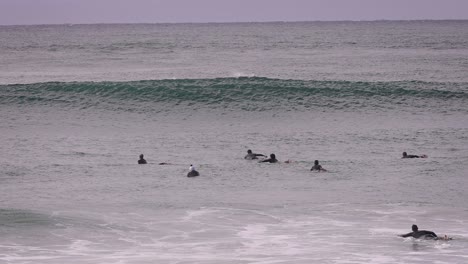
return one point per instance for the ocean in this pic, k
(80, 103)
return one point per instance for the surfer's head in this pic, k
(405, 154)
(272, 156)
(414, 228)
(316, 162)
(249, 151)
(141, 156)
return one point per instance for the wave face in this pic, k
(243, 94)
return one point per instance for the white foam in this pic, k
(241, 74)
(192, 214)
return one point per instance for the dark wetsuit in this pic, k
(252, 156)
(411, 156)
(141, 161)
(270, 160)
(421, 234)
(317, 167)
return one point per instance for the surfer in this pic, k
(424, 234)
(317, 167)
(192, 172)
(251, 156)
(272, 159)
(141, 160)
(406, 156)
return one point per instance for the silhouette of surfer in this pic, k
(251, 156)
(272, 159)
(406, 156)
(423, 234)
(317, 167)
(192, 172)
(141, 160)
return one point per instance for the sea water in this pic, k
(80, 103)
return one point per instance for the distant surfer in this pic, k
(406, 156)
(272, 159)
(423, 234)
(251, 156)
(192, 172)
(141, 160)
(317, 167)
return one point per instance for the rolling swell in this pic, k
(247, 94)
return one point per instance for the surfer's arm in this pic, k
(407, 235)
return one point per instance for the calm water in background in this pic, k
(79, 103)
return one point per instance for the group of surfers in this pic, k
(272, 159)
(416, 233)
(317, 167)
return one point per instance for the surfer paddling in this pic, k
(272, 159)
(406, 156)
(251, 156)
(424, 234)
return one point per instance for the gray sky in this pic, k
(14, 12)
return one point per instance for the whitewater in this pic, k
(80, 103)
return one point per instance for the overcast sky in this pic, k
(14, 12)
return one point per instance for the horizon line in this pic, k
(231, 22)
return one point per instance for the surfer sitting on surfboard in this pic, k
(141, 160)
(192, 172)
(317, 167)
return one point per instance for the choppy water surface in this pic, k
(77, 110)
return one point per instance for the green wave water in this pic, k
(247, 94)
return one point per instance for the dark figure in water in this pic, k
(406, 156)
(272, 159)
(317, 167)
(192, 172)
(251, 156)
(141, 160)
(421, 234)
